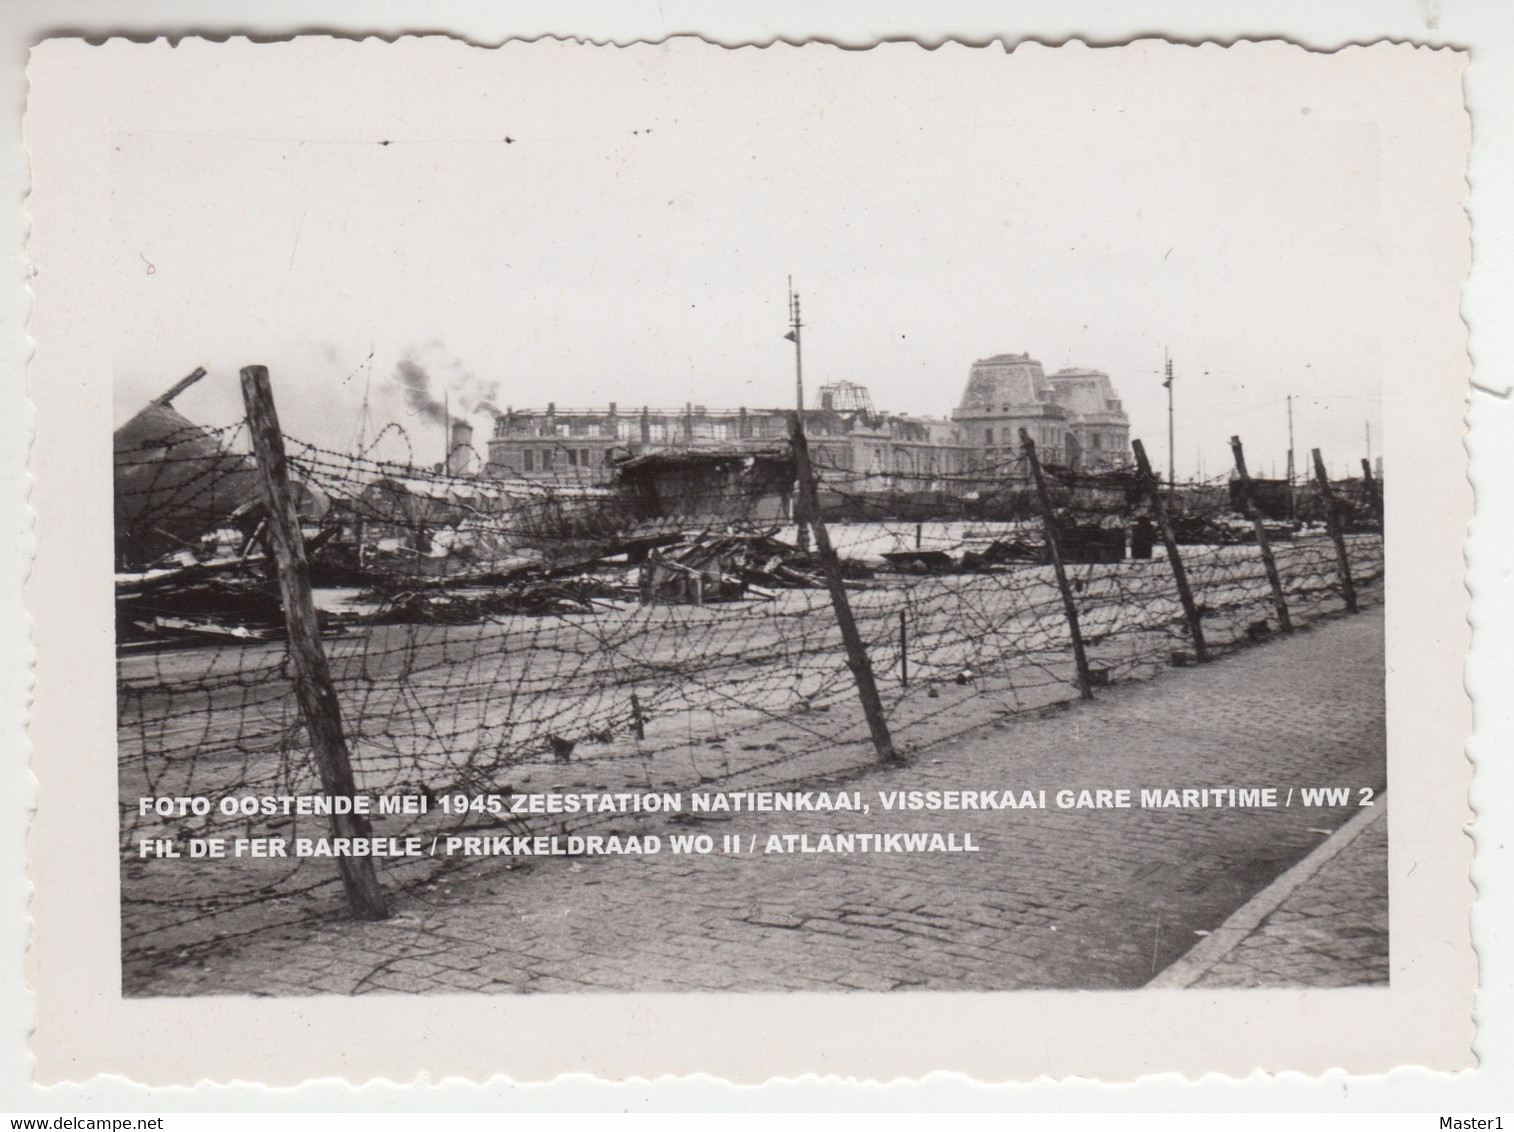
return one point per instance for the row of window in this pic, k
(1095, 439)
(1043, 437)
(660, 431)
(546, 459)
(543, 459)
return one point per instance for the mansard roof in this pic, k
(1002, 380)
(1087, 392)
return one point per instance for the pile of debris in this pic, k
(711, 567)
(1000, 552)
(1079, 544)
(185, 601)
(1198, 530)
(1005, 552)
(535, 596)
(1085, 543)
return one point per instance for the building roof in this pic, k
(173, 482)
(1003, 380)
(1087, 393)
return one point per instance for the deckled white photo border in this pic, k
(84, 1027)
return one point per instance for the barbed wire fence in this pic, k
(486, 639)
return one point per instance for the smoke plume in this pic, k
(416, 384)
(433, 383)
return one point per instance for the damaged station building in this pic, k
(870, 463)
(561, 486)
(692, 499)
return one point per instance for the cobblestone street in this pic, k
(1054, 898)
(1322, 924)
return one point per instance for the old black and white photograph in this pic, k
(1051, 642)
(680, 521)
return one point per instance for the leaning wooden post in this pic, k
(1333, 522)
(856, 654)
(638, 718)
(1190, 610)
(1374, 493)
(166, 398)
(312, 679)
(1069, 606)
(1264, 544)
(903, 650)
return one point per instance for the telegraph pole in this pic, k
(366, 417)
(1292, 510)
(805, 496)
(1172, 467)
(363, 421)
(795, 326)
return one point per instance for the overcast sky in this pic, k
(581, 225)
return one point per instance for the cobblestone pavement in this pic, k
(1054, 897)
(1324, 923)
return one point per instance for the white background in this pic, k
(592, 226)
(1483, 28)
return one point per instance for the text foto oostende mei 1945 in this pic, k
(805, 801)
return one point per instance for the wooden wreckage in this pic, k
(398, 544)
(191, 564)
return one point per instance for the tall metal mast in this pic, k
(794, 334)
(362, 421)
(1292, 510)
(795, 327)
(1172, 467)
(365, 416)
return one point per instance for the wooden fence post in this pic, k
(856, 654)
(1069, 606)
(903, 650)
(1337, 536)
(1264, 544)
(638, 718)
(1164, 524)
(312, 678)
(1374, 493)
